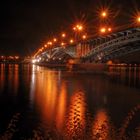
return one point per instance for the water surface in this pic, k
(37, 102)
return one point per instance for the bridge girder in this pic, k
(115, 47)
(99, 49)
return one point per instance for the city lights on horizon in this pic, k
(9, 57)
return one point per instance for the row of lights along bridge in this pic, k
(79, 34)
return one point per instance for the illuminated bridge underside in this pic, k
(57, 53)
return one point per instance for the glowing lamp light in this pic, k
(54, 39)
(109, 29)
(62, 44)
(74, 28)
(71, 41)
(63, 35)
(103, 30)
(49, 43)
(103, 14)
(78, 27)
(84, 37)
(39, 59)
(34, 61)
(138, 19)
(45, 45)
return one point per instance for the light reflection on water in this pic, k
(127, 75)
(9, 73)
(101, 125)
(2, 76)
(75, 121)
(68, 105)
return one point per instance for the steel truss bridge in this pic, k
(95, 50)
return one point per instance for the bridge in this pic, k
(99, 49)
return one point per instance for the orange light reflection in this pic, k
(76, 116)
(16, 78)
(100, 126)
(2, 76)
(51, 103)
(46, 85)
(61, 107)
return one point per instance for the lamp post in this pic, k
(54, 40)
(78, 29)
(104, 14)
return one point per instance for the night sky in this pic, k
(26, 24)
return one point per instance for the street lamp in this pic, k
(109, 29)
(71, 41)
(63, 35)
(54, 39)
(78, 27)
(49, 43)
(84, 37)
(45, 45)
(103, 30)
(103, 14)
(62, 44)
(74, 28)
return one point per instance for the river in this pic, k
(57, 104)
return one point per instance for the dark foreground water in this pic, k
(43, 104)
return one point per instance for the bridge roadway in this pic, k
(95, 50)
